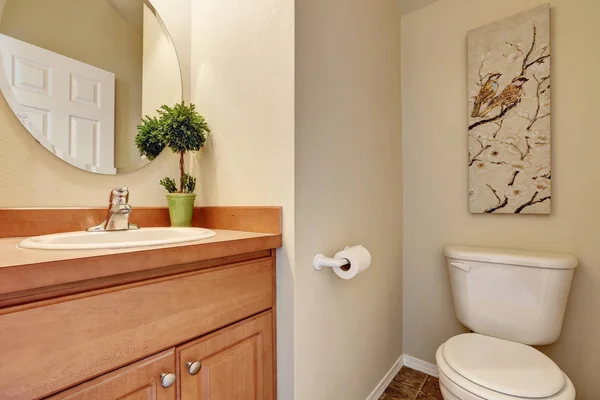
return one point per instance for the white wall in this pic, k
(348, 191)
(435, 179)
(243, 82)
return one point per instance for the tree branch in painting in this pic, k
(499, 128)
(544, 176)
(496, 118)
(512, 179)
(539, 93)
(474, 158)
(532, 202)
(482, 77)
(528, 149)
(540, 60)
(501, 203)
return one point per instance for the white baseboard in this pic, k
(381, 386)
(407, 361)
(420, 365)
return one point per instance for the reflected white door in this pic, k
(67, 105)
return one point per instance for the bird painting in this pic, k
(509, 115)
(486, 93)
(508, 98)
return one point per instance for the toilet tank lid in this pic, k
(512, 257)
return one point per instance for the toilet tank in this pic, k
(510, 294)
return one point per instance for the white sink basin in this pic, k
(116, 239)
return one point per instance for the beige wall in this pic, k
(161, 77)
(435, 179)
(32, 177)
(409, 6)
(161, 83)
(243, 82)
(348, 184)
(99, 36)
(176, 16)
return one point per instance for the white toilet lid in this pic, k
(506, 367)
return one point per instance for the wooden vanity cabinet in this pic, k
(236, 363)
(120, 342)
(138, 381)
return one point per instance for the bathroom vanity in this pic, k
(188, 321)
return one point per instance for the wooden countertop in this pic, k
(27, 275)
(12, 256)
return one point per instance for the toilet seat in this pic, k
(476, 367)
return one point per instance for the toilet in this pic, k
(510, 300)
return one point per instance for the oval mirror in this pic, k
(80, 74)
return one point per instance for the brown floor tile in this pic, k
(424, 396)
(397, 391)
(432, 388)
(412, 385)
(410, 377)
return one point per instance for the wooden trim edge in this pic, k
(21, 222)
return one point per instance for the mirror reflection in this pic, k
(80, 74)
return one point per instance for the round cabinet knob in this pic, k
(193, 367)
(167, 379)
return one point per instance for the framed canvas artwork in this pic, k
(509, 115)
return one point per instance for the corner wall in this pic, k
(347, 191)
(243, 83)
(435, 179)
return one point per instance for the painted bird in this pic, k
(486, 93)
(510, 96)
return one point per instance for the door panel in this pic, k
(237, 363)
(138, 381)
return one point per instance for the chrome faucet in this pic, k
(117, 216)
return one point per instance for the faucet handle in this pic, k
(119, 195)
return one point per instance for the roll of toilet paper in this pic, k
(359, 258)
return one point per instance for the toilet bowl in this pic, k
(511, 300)
(475, 367)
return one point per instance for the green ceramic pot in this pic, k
(181, 208)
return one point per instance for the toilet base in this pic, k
(454, 387)
(446, 393)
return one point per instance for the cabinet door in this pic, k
(234, 363)
(139, 381)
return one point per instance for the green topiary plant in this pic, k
(181, 129)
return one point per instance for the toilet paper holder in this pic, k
(346, 264)
(320, 261)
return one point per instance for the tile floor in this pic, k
(412, 385)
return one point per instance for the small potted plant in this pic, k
(181, 129)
